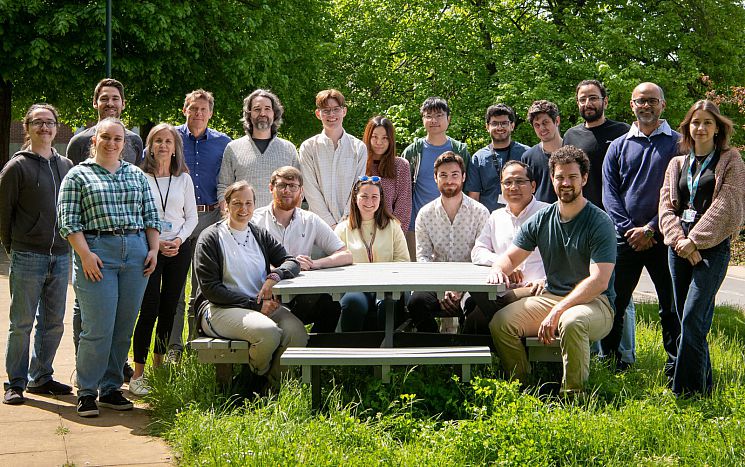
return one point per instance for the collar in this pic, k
(526, 212)
(189, 134)
(662, 129)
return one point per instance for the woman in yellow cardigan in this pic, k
(373, 235)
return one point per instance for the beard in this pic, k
(262, 124)
(451, 192)
(283, 205)
(567, 196)
(596, 115)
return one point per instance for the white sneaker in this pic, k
(138, 386)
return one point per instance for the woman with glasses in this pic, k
(39, 257)
(173, 191)
(701, 207)
(373, 235)
(380, 139)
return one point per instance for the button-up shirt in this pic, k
(439, 240)
(92, 198)
(497, 236)
(203, 157)
(304, 231)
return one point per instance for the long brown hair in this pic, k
(178, 163)
(27, 121)
(387, 167)
(382, 216)
(724, 127)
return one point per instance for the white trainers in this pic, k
(138, 386)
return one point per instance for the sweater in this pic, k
(726, 213)
(389, 245)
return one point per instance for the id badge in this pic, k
(167, 226)
(689, 215)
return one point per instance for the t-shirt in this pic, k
(595, 141)
(485, 169)
(425, 189)
(568, 248)
(537, 159)
(78, 149)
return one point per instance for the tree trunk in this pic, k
(6, 91)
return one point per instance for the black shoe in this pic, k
(115, 400)
(13, 396)
(87, 406)
(52, 387)
(128, 372)
(622, 366)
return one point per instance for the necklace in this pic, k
(245, 240)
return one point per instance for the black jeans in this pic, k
(629, 264)
(319, 309)
(160, 302)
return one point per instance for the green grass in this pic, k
(427, 417)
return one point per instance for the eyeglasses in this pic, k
(652, 101)
(590, 99)
(331, 111)
(291, 187)
(365, 178)
(437, 116)
(518, 182)
(43, 123)
(503, 124)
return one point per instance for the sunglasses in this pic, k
(365, 178)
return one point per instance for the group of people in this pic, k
(567, 225)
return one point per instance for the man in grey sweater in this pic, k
(255, 156)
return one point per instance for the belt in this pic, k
(206, 207)
(112, 232)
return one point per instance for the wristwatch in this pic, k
(648, 232)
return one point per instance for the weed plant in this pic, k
(426, 416)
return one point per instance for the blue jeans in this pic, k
(38, 291)
(108, 310)
(694, 289)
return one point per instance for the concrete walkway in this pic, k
(732, 291)
(47, 431)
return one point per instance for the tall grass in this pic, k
(428, 417)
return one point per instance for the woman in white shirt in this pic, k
(173, 192)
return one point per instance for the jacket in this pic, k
(413, 154)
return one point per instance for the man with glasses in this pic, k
(421, 155)
(260, 152)
(203, 150)
(594, 135)
(544, 118)
(483, 178)
(446, 230)
(518, 187)
(633, 173)
(300, 232)
(331, 161)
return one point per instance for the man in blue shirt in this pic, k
(633, 173)
(203, 150)
(483, 182)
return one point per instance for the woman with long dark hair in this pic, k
(701, 207)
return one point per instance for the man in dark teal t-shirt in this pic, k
(577, 243)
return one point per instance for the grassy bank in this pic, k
(427, 417)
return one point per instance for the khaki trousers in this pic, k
(578, 326)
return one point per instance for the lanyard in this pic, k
(693, 181)
(369, 246)
(163, 202)
(497, 160)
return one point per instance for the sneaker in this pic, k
(173, 356)
(115, 400)
(13, 396)
(52, 387)
(87, 406)
(138, 386)
(128, 372)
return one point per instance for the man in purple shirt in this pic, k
(203, 150)
(633, 173)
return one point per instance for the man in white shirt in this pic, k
(446, 230)
(518, 188)
(331, 161)
(300, 232)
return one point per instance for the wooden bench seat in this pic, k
(540, 352)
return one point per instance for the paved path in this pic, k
(47, 431)
(732, 291)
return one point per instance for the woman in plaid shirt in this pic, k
(107, 213)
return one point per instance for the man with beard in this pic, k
(595, 135)
(544, 118)
(446, 230)
(633, 173)
(299, 231)
(578, 249)
(108, 100)
(255, 156)
(483, 181)
(332, 160)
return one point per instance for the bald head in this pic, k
(648, 88)
(647, 103)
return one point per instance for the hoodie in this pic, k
(29, 187)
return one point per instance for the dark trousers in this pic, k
(160, 302)
(629, 264)
(694, 289)
(319, 309)
(423, 308)
(478, 319)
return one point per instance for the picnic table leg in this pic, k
(385, 373)
(224, 374)
(307, 375)
(389, 318)
(465, 372)
(315, 387)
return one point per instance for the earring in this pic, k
(173, 155)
